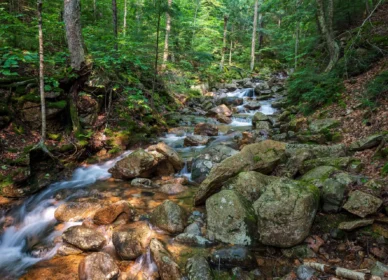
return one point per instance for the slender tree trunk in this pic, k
(230, 52)
(194, 21)
(226, 18)
(95, 10)
(72, 18)
(253, 47)
(125, 18)
(114, 13)
(168, 29)
(156, 49)
(41, 74)
(297, 34)
(261, 35)
(326, 23)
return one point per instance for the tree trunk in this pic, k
(230, 52)
(168, 29)
(41, 74)
(114, 14)
(125, 18)
(194, 21)
(326, 24)
(95, 10)
(226, 18)
(253, 47)
(297, 34)
(72, 18)
(156, 51)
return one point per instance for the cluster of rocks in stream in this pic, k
(269, 190)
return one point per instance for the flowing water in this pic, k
(31, 228)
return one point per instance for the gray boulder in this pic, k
(233, 256)
(362, 204)
(333, 192)
(169, 216)
(366, 143)
(98, 266)
(319, 126)
(84, 238)
(197, 268)
(167, 267)
(230, 218)
(285, 212)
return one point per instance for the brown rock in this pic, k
(109, 214)
(76, 211)
(206, 129)
(168, 268)
(98, 266)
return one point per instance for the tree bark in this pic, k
(168, 29)
(326, 24)
(72, 18)
(41, 74)
(156, 51)
(253, 47)
(226, 18)
(114, 14)
(95, 10)
(297, 34)
(125, 18)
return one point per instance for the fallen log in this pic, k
(342, 272)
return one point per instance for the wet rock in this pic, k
(230, 218)
(206, 129)
(262, 125)
(252, 105)
(67, 250)
(250, 184)
(319, 126)
(260, 117)
(234, 256)
(231, 101)
(138, 164)
(142, 183)
(195, 140)
(192, 239)
(203, 163)
(223, 119)
(171, 189)
(169, 217)
(109, 213)
(349, 226)
(220, 110)
(285, 212)
(262, 157)
(362, 204)
(84, 238)
(194, 229)
(167, 267)
(333, 193)
(197, 268)
(366, 143)
(131, 240)
(76, 211)
(379, 269)
(98, 266)
(172, 156)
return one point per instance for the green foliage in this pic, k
(311, 89)
(384, 170)
(375, 89)
(11, 59)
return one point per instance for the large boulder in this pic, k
(249, 184)
(262, 157)
(343, 163)
(109, 213)
(98, 266)
(252, 105)
(169, 216)
(159, 160)
(76, 211)
(285, 212)
(362, 204)
(132, 240)
(260, 117)
(333, 192)
(317, 151)
(208, 158)
(167, 267)
(137, 164)
(84, 238)
(206, 129)
(230, 218)
(197, 268)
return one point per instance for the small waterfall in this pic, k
(34, 221)
(185, 172)
(144, 265)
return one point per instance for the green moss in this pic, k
(257, 158)
(57, 105)
(31, 97)
(384, 170)
(53, 136)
